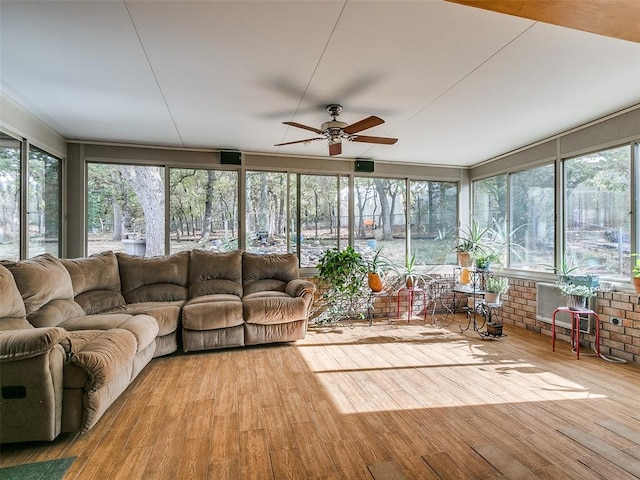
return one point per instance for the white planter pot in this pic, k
(576, 302)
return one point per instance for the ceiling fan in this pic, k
(335, 131)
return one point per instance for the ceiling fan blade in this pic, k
(299, 141)
(363, 124)
(335, 148)
(305, 127)
(381, 140)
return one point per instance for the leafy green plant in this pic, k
(471, 238)
(410, 274)
(342, 274)
(635, 270)
(565, 269)
(497, 284)
(379, 263)
(577, 290)
(483, 260)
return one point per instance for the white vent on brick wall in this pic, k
(548, 298)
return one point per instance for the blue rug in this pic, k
(49, 470)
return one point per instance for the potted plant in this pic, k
(636, 273)
(342, 273)
(483, 261)
(470, 242)
(375, 274)
(495, 286)
(411, 277)
(576, 294)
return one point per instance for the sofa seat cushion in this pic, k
(271, 308)
(46, 290)
(155, 279)
(143, 327)
(167, 314)
(96, 282)
(211, 312)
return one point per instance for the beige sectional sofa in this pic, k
(74, 333)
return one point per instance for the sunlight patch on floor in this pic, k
(430, 368)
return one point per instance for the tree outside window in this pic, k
(597, 218)
(433, 221)
(10, 152)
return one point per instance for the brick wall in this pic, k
(621, 341)
(519, 310)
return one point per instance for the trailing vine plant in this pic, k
(342, 275)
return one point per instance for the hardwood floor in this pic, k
(387, 402)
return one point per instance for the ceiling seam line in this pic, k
(155, 77)
(315, 69)
(467, 75)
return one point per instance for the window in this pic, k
(518, 209)
(380, 205)
(126, 209)
(39, 218)
(10, 154)
(267, 221)
(532, 203)
(433, 221)
(490, 211)
(43, 203)
(597, 219)
(203, 209)
(318, 217)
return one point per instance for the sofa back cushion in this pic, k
(212, 272)
(96, 282)
(155, 279)
(12, 313)
(46, 290)
(269, 272)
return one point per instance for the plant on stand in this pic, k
(471, 243)
(376, 271)
(342, 275)
(576, 294)
(495, 286)
(410, 274)
(636, 273)
(483, 261)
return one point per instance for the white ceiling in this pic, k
(457, 85)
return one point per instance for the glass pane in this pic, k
(380, 217)
(532, 234)
(598, 227)
(490, 211)
(43, 207)
(10, 152)
(318, 214)
(434, 217)
(266, 212)
(203, 206)
(344, 212)
(125, 209)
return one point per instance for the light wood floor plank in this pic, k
(603, 449)
(344, 401)
(504, 462)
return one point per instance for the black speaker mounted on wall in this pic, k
(230, 158)
(364, 166)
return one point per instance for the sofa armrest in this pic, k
(27, 343)
(299, 287)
